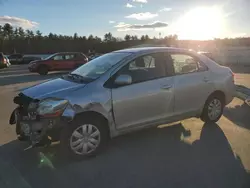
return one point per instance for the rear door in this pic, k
(149, 98)
(79, 59)
(69, 63)
(192, 84)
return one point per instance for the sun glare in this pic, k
(201, 24)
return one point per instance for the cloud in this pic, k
(140, 1)
(165, 9)
(18, 22)
(122, 25)
(142, 16)
(129, 5)
(128, 27)
(111, 22)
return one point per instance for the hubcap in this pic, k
(85, 139)
(214, 109)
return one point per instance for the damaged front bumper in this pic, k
(38, 130)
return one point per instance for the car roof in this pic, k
(153, 49)
(58, 53)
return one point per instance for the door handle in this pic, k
(166, 87)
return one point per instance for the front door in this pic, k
(57, 62)
(192, 84)
(150, 96)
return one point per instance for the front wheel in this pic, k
(213, 109)
(83, 138)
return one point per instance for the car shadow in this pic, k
(157, 157)
(32, 77)
(239, 114)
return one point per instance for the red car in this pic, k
(58, 61)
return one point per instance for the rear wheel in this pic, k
(43, 70)
(213, 109)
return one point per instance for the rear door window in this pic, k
(69, 56)
(58, 57)
(186, 64)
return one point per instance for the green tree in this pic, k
(91, 38)
(147, 37)
(21, 32)
(98, 39)
(38, 34)
(127, 37)
(134, 37)
(75, 36)
(1, 31)
(142, 37)
(108, 37)
(53, 36)
(29, 34)
(7, 30)
(15, 33)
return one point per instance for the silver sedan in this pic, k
(121, 92)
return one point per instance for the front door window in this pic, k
(146, 99)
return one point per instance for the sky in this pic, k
(189, 19)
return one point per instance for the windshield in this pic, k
(98, 66)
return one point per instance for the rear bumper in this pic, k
(230, 92)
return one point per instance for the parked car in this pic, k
(4, 61)
(22, 59)
(7, 61)
(58, 61)
(15, 58)
(121, 92)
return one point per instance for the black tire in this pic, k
(67, 132)
(43, 70)
(205, 117)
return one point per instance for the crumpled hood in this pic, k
(53, 88)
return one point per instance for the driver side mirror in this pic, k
(123, 79)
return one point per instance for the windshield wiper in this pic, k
(80, 78)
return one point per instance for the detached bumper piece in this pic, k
(39, 132)
(32, 128)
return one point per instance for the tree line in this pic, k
(17, 39)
